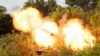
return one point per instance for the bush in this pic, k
(16, 45)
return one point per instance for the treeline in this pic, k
(87, 10)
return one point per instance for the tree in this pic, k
(45, 7)
(5, 21)
(6, 24)
(2, 9)
(84, 4)
(98, 6)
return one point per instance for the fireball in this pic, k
(46, 33)
(29, 20)
(76, 36)
(24, 20)
(43, 35)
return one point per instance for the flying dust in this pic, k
(46, 33)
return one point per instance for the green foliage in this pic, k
(83, 4)
(20, 44)
(56, 15)
(45, 7)
(98, 6)
(70, 11)
(91, 52)
(65, 52)
(2, 9)
(16, 45)
(5, 23)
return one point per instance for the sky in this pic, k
(11, 4)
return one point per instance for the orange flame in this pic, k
(76, 36)
(46, 33)
(43, 35)
(29, 20)
(26, 19)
